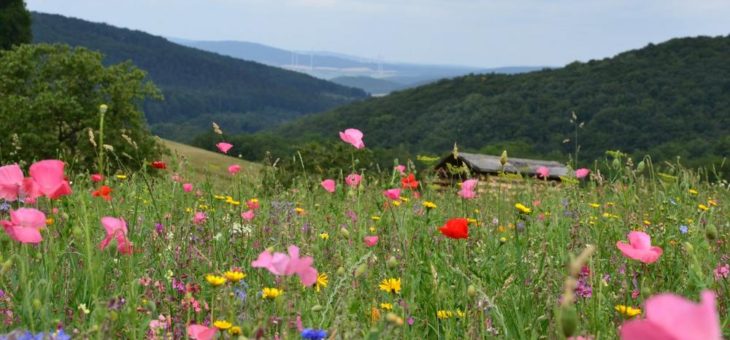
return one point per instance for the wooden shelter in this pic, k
(486, 165)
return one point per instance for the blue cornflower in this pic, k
(683, 229)
(314, 334)
(4, 207)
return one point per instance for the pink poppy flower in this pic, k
(582, 173)
(639, 248)
(11, 181)
(224, 147)
(200, 332)
(116, 228)
(370, 241)
(353, 137)
(234, 169)
(467, 189)
(283, 264)
(187, 187)
(47, 177)
(248, 215)
(25, 225)
(400, 168)
(393, 194)
(670, 316)
(96, 178)
(199, 217)
(353, 180)
(329, 185)
(543, 172)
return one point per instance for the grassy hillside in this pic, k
(200, 87)
(668, 100)
(203, 164)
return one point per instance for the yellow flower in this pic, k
(503, 239)
(501, 229)
(322, 281)
(235, 330)
(222, 324)
(429, 205)
(299, 211)
(647, 222)
(372, 229)
(324, 236)
(386, 306)
(395, 203)
(234, 276)
(220, 197)
(375, 218)
(712, 202)
(215, 280)
(49, 221)
(460, 314)
(444, 314)
(628, 311)
(693, 191)
(120, 176)
(390, 285)
(404, 199)
(471, 220)
(522, 208)
(703, 207)
(594, 205)
(395, 319)
(272, 293)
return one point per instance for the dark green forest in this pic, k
(665, 100)
(200, 87)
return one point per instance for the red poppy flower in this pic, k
(104, 192)
(409, 182)
(456, 228)
(159, 165)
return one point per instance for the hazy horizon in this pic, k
(478, 33)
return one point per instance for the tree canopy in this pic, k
(50, 97)
(15, 24)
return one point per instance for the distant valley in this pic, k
(375, 76)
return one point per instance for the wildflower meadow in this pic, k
(160, 253)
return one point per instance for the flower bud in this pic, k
(640, 167)
(316, 308)
(361, 269)
(568, 320)
(392, 262)
(471, 290)
(711, 232)
(340, 271)
(103, 108)
(345, 233)
(503, 158)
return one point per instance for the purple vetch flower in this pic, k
(159, 228)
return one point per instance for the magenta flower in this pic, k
(393, 194)
(11, 180)
(224, 147)
(543, 172)
(116, 228)
(353, 180)
(96, 178)
(639, 248)
(400, 168)
(329, 185)
(670, 316)
(722, 272)
(353, 137)
(467, 189)
(200, 332)
(234, 169)
(370, 241)
(187, 187)
(25, 225)
(199, 217)
(287, 265)
(582, 173)
(47, 179)
(248, 215)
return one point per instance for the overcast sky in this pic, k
(486, 33)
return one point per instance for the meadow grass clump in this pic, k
(163, 253)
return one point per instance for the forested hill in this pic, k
(200, 86)
(667, 100)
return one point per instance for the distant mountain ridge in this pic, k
(666, 100)
(331, 65)
(199, 86)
